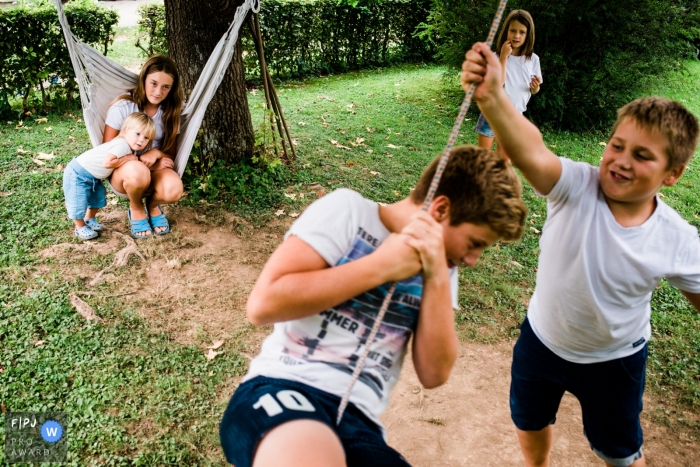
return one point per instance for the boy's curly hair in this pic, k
(482, 188)
(676, 124)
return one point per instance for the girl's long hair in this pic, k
(524, 18)
(171, 105)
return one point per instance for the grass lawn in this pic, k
(136, 397)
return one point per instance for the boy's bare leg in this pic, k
(485, 142)
(300, 443)
(536, 446)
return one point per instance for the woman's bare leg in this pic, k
(300, 443)
(486, 142)
(167, 189)
(133, 179)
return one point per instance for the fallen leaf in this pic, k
(351, 162)
(342, 147)
(294, 214)
(389, 155)
(370, 130)
(44, 156)
(661, 195)
(38, 343)
(279, 213)
(212, 355)
(515, 263)
(301, 123)
(391, 146)
(59, 167)
(114, 202)
(359, 140)
(333, 142)
(320, 192)
(370, 151)
(552, 145)
(374, 172)
(71, 138)
(38, 162)
(41, 120)
(48, 128)
(5, 194)
(216, 344)
(295, 142)
(83, 308)
(397, 84)
(534, 230)
(290, 195)
(602, 144)
(301, 195)
(22, 151)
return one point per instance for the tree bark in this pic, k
(193, 30)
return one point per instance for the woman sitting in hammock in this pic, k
(158, 93)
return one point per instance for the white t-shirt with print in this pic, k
(93, 160)
(321, 350)
(519, 73)
(595, 278)
(121, 109)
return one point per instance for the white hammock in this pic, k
(101, 80)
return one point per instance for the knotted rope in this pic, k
(444, 158)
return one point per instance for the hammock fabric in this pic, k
(101, 80)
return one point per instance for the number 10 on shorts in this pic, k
(290, 399)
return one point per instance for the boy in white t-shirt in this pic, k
(82, 178)
(607, 242)
(323, 287)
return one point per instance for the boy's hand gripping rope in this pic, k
(428, 199)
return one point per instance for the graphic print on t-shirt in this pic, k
(350, 323)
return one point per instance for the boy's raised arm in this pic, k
(519, 138)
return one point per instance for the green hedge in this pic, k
(595, 55)
(33, 49)
(320, 36)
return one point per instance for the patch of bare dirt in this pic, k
(467, 421)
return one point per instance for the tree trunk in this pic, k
(193, 30)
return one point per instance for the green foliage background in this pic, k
(304, 37)
(595, 55)
(33, 49)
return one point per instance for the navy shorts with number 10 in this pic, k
(261, 404)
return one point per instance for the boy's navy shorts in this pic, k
(262, 403)
(610, 394)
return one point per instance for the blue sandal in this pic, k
(85, 233)
(94, 225)
(159, 221)
(139, 226)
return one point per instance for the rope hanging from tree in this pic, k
(444, 158)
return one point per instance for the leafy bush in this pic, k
(596, 56)
(152, 29)
(32, 46)
(320, 36)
